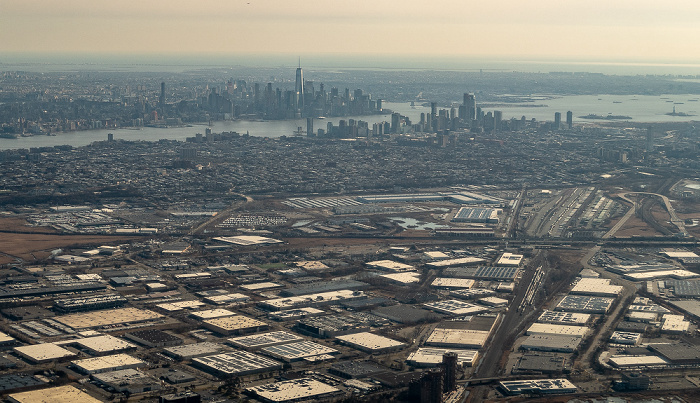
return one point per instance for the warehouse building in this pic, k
(510, 259)
(237, 324)
(128, 380)
(189, 351)
(674, 324)
(563, 330)
(584, 304)
(105, 344)
(107, 363)
(299, 351)
(154, 338)
(236, 363)
(108, 317)
(432, 357)
(600, 287)
(293, 391)
(564, 318)
(211, 314)
(458, 338)
(451, 283)
(292, 314)
(492, 273)
(477, 215)
(257, 341)
(45, 352)
(59, 394)
(370, 342)
(538, 387)
(324, 298)
(551, 343)
(627, 338)
(456, 307)
(389, 265)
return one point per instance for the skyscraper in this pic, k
(299, 89)
(449, 363)
(161, 100)
(557, 120)
(310, 127)
(570, 119)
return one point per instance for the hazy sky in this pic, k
(591, 30)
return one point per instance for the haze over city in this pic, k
(597, 31)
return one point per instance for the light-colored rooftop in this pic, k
(390, 265)
(407, 277)
(106, 317)
(212, 314)
(247, 240)
(234, 322)
(369, 341)
(596, 286)
(180, 305)
(44, 352)
(456, 307)
(546, 328)
(104, 344)
(59, 394)
(294, 390)
(264, 339)
(433, 356)
(261, 286)
(456, 262)
(448, 282)
(509, 259)
(457, 338)
(108, 362)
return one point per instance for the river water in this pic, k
(641, 108)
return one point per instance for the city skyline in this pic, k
(597, 31)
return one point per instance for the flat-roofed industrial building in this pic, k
(564, 318)
(257, 341)
(538, 386)
(458, 338)
(370, 342)
(565, 330)
(551, 343)
(236, 363)
(237, 324)
(477, 215)
(44, 352)
(297, 351)
(596, 287)
(432, 357)
(584, 304)
(58, 394)
(293, 391)
(108, 317)
(107, 363)
(324, 298)
(154, 338)
(456, 307)
(104, 344)
(189, 351)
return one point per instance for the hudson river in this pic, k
(641, 108)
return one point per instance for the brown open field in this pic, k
(636, 226)
(37, 246)
(20, 224)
